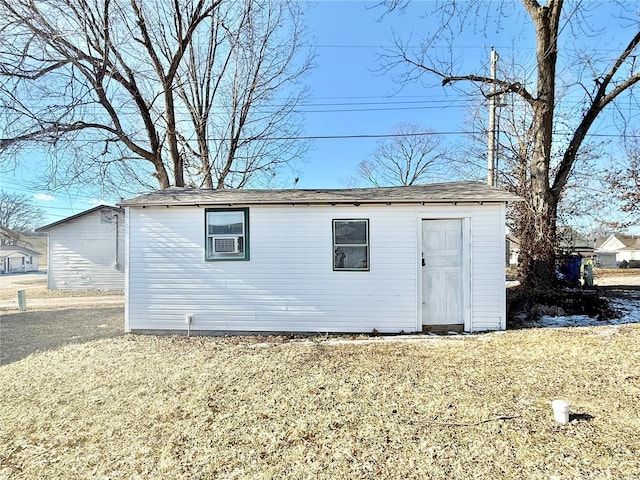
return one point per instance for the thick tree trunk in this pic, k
(172, 139)
(161, 175)
(536, 181)
(537, 233)
(538, 228)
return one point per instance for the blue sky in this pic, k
(362, 100)
(348, 97)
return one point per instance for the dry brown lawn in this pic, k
(24, 333)
(617, 276)
(37, 289)
(78, 399)
(617, 272)
(466, 407)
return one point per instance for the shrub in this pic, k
(531, 304)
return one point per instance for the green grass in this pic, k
(476, 407)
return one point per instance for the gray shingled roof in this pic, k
(432, 193)
(50, 226)
(6, 250)
(631, 242)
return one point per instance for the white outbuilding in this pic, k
(16, 258)
(395, 259)
(86, 251)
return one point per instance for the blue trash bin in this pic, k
(569, 269)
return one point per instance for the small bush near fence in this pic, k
(630, 264)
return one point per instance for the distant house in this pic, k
(569, 242)
(15, 258)
(29, 240)
(617, 248)
(396, 259)
(86, 251)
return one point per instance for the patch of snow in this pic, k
(629, 308)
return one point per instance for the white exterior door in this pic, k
(442, 272)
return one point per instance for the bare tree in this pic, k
(542, 178)
(623, 178)
(582, 203)
(18, 212)
(259, 80)
(139, 93)
(411, 155)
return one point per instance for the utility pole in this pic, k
(491, 153)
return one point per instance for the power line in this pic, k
(384, 135)
(484, 47)
(352, 110)
(357, 136)
(23, 187)
(390, 102)
(304, 107)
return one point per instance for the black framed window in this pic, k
(351, 245)
(227, 234)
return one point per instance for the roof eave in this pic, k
(50, 226)
(317, 202)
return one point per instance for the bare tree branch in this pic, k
(18, 212)
(107, 84)
(598, 103)
(413, 155)
(542, 164)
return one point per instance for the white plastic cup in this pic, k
(560, 411)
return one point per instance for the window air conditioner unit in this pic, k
(227, 244)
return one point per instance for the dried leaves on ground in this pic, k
(431, 407)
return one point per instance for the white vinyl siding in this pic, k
(614, 247)
(82, 254)
(289, 283)
(487, 265)
(18, 262)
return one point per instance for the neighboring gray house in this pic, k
(396, 259)
(15, 258)
(573, 242)
(569, 242)
(617, 248)
(86, 251)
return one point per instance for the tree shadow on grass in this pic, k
(24, 333)
(580, 417)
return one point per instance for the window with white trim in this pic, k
(351, 245)
(227, 234)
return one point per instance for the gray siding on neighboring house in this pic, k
(289, 284)
(82, 251)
